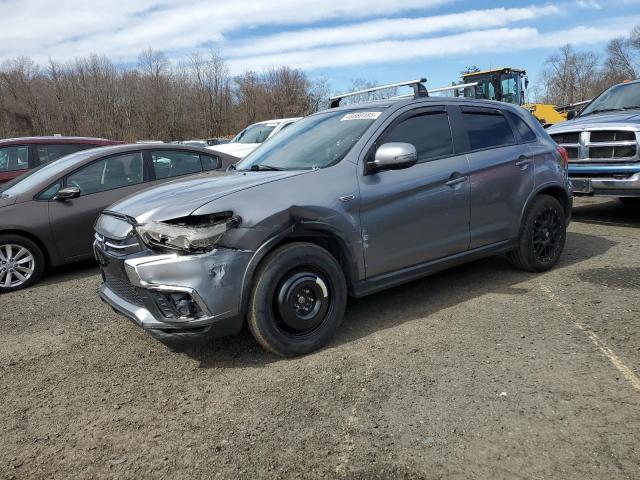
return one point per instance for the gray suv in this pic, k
(348, 201)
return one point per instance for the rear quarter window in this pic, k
(525, 132)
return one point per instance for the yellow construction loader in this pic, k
(509, 85)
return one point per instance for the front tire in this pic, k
(542, 236)
(21, 263)
(298, 299)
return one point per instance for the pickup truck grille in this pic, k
(599, 145)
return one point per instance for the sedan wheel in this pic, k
(21, 262)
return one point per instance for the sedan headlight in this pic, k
(195, 233)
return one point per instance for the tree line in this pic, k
(571, 76)
(154, 100)
(199, 98)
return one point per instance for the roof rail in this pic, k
(454, 88)
(419, 90)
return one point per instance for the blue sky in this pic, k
(340, 40)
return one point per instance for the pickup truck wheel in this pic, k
(630, 201)
(21, 263)
(542, 236)
(298, 299)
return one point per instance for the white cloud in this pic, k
(68, 28)
(492, 40)
(590, 4)
(386, 29)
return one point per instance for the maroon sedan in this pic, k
(18, 155)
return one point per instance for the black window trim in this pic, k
(482, 110)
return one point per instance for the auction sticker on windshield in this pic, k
(361, 116)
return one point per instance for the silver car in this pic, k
(348, 201)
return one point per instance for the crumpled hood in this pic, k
(182, 197)
(239, 150)
(611, 119)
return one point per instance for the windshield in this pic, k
(317, 141)
(44, 173)
(256, 133)
(620, 97)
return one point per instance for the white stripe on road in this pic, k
(613, 358)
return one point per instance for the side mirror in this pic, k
(395, 156)
(67, 193)
(571, 114)
(526, 83)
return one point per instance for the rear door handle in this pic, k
(455, 181)
(523, 161)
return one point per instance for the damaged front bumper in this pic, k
(176, 296)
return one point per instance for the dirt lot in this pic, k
(479, 372)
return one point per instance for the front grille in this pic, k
(573, 152)
(599, 146)
(121, 286)
(572, 137)
(612, 136)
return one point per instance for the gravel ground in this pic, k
(478, 372)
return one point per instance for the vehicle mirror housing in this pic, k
(67, 193)
(571, 114)
(395, 156)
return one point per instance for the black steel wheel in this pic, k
(298, 299)
(546, 234)
(543, 232)
(302, 301)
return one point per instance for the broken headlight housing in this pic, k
(193, 233)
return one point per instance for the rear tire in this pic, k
(298, 299)
(542, 236)
(21, 263)
(630, 201)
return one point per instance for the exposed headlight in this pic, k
(191, 234)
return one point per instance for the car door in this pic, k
(501, 172)
(101, 183)
(421, 213)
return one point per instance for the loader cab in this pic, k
(504, 85)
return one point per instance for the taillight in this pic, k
(565, 155)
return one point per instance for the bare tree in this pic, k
(571, 76)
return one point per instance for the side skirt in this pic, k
(398, 277)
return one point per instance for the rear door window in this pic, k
(486, 128)
(173, 163)
(14, 158)
(108, 173)
(49, 153)
(428, 130)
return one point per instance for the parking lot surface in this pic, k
(482, 371)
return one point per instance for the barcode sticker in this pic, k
(361, 116)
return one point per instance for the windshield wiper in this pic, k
(263, 167)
